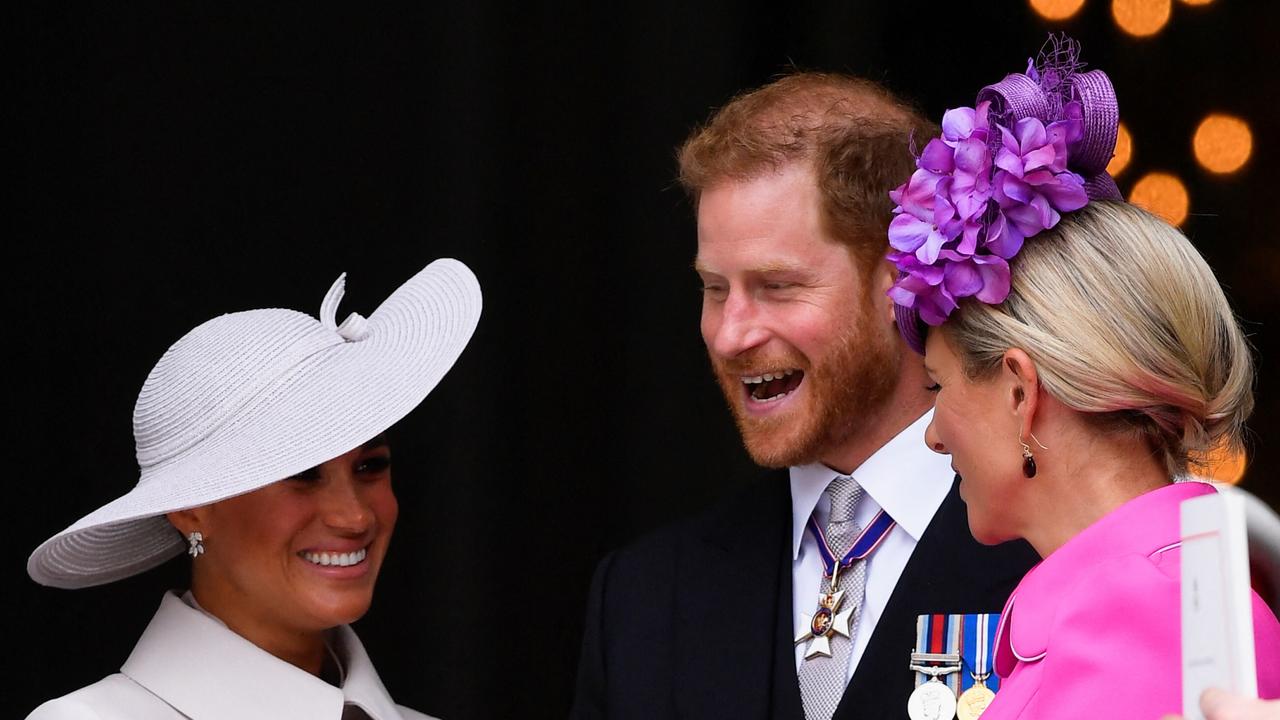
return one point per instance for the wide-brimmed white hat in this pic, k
(253, 397)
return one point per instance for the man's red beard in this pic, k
(852, 381)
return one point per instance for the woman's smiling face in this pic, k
(302, 554)
(975, 423)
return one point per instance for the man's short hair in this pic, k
(855, 134)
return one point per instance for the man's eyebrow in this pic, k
(779, 267)
(776, 266)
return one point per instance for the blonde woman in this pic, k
(260, 441)
(1083, 358)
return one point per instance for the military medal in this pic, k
(828, 620)
(952, 644)
(978, 634)
(934, 700)
(974, 700)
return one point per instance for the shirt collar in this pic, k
(904, 477)
(189, 658)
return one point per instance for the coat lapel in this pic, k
(727, 621)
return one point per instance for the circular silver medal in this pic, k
(932, 701)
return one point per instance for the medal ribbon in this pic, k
(865, 544)
(939, 633)
(979, 637)
(970, 636)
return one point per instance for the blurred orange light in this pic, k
(1141, 18)
(1223, 465)
(1162, 194)
(1222, 143)
(1056, 9)
(1124, 150)
(1196, 2)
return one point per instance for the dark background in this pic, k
(175, 161)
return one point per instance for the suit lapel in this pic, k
(727, 617)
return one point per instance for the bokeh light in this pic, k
(1124, 150)
(1222, 143)
(1162, 194)
(1196, 2)
(1056, 9)
(1222, 465)
(1141, 18)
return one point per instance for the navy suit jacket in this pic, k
(695, 620)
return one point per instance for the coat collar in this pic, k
(189, 659)
(1146, 525)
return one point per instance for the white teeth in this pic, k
(779, 396)
(757, 379)
(336, 559)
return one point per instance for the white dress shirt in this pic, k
(187, 664)
(906, 479)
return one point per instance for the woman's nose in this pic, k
(345, 508)
(931, 439)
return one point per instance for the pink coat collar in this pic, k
(1146, 525)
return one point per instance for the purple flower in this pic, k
(937, 157)
(983, 276)
(924, 231)
(963, 123)
(921, 287)
(917, 194)
(1004, 239)
(966, 211)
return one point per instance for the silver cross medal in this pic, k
(826, 621)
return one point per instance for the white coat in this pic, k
(187, 664)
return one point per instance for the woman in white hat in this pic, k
(259, 438)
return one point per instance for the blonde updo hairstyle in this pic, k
(1125, 322)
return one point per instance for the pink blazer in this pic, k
(1093, 630)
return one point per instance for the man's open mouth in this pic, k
(772, 386)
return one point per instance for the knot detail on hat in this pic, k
(329, 306)
(355, 327)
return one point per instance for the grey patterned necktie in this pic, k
(822, 679)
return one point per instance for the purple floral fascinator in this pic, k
(1036, 145)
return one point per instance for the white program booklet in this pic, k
(1217, 616)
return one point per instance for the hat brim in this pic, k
(910, 327)
(330, 403)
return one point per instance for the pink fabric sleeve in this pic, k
(1266, 647)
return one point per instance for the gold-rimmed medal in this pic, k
(974, 701)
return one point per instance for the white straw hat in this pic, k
(253, 397)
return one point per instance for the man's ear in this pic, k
(1018, 373)
(881, 279)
